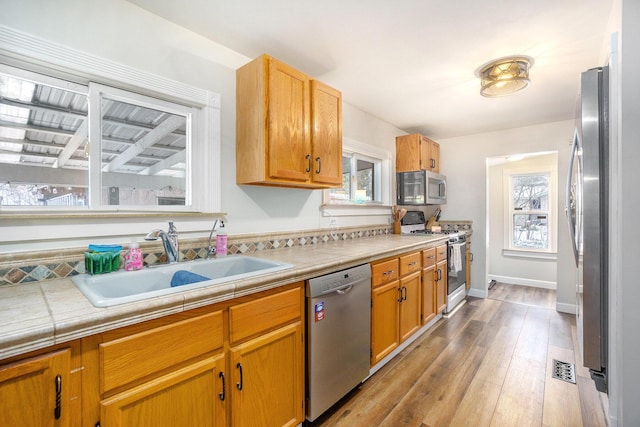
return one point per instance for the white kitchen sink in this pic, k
(127, 286)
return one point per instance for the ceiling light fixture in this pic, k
(504, 76)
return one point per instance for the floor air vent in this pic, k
(564, 371)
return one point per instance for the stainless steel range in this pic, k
(414, 223)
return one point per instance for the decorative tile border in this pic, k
(45, 265)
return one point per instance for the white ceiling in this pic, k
(412, 63)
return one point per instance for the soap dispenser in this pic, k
(221, 240)
(133, 256)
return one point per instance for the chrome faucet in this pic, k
(169, 240)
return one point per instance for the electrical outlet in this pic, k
(333, 221)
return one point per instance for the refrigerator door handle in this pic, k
(570, 199)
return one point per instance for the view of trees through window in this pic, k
(530, 214)
(358, 181)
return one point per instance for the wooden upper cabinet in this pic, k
(288, 127)
(326, 134)
(417, 152)
(289, 141)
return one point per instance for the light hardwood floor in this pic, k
(487, 365)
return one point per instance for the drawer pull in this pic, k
(239, 385)
(413, 264)
(387, 273)
(222, 393)
(57, 412)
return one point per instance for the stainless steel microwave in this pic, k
(421, 188)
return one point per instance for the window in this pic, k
(366, 182)
(530, 207)
(530, 211)
(360, 180)
(140, 157)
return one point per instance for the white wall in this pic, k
(518, 270)
(465, 161)
(121, 32)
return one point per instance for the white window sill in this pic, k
(353, 209)
(516, 253)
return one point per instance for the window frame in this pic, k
(382, 186)
(552, 220)
(34, 55)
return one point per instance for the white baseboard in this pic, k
(477, 293)
(566, 308)
(523, 282)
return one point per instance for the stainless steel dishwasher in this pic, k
(338, 336)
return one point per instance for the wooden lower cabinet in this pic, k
(395, 303)
(441, 286)
(34, 392)
(193, 395)
(429, 309)
(441, 278)
(266, 379)
(385, 335)
(238, 363)
(410, 305)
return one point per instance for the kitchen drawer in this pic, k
(261, 315)
(441, 253)
(139, 355)
(428, 257)
(384, 272)
(410, 264)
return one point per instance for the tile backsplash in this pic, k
(53, 264)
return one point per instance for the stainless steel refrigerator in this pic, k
(587, 213)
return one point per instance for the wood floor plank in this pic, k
(436, 383)
(561, 399)
(521, 399)
(478, 404)
(560, 330)
(534, 336)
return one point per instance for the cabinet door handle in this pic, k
(239, 385)
(222, 393)
(399, 294)
(308, 157)
(57, 412)
(319, 165)
(439, 275)
(404, 293)
(433, 163)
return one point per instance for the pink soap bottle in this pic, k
(133, 256)
(221, 240)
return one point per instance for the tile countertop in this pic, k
(40, 314)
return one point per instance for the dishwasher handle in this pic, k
(342, 290)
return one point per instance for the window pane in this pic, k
(365, 177)
(43, 137)
(530, 231)
(343, 193)
(531, 192)
(143, 155)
